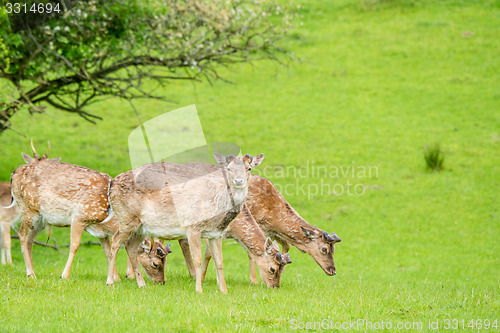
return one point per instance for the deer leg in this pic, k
(122, 235)
(37, 227)
(132, 247)
(24, 229)
(130, 270)
(216, 249)
(187, 256)
(194, 239)
(3, 242)
(206, 261)
(106, 246)
(7, 244)
(253, 273)
(77, 228)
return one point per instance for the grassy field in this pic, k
(377, 82)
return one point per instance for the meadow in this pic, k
(377, 81)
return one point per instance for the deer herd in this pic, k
(144, 207)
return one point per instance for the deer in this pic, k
(261, 250)
(151, 201)
(281, 222)
(277, 220)
(52, 193)
(8, 214)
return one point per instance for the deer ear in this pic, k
(167, 247)
(308, 232)
(27, 158)
(268, 245)
(56, 159)
(230, 158)
(257, 160)
(276, 246)
(219, 159)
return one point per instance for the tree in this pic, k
(128, 49)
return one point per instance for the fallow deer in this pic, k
(51, 193)
(278, 220)
(151, 201)
(9, 213)
(264, 252)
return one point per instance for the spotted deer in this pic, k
(279, 221)
(264, 252)
(9, 213)
(152, 201)
(52, 193)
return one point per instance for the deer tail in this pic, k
(12, 204)
(110, 215)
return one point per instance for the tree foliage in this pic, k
(128, 48)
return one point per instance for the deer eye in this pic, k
(324, 250)
(272, 270)
(154, 265)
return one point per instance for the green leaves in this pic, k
(108, 47)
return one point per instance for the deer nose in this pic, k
(239, 182)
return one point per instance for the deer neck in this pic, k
(245, 231)
(287, 225)
(238, 197)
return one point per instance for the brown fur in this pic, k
(280, 221)
(49, 192)
(260, 250)
(152, 200)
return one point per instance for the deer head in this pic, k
(153, 257)
(321, 246)
(272, 264)
(237, 169)
(36, 157)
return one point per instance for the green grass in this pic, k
(375, 85)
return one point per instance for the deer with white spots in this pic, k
(281, 222)
(52, 193)
(276, 219)
(151, 201)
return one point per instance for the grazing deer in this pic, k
(152, 257)
(7, 216)
(154, 201)
(261, 250)
(51, 193)
(243, 229)
(280, 221)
